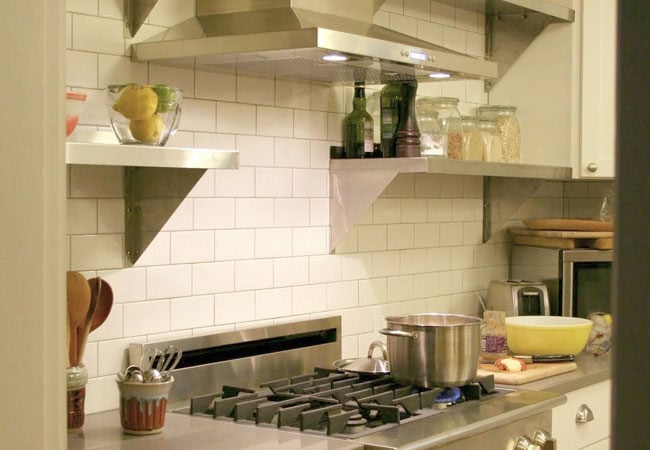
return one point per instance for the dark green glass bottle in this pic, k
(358, 126)
(392, 95)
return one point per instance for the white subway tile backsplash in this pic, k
(214, 213)
(451, 234)
(235, 307)
(387, 210)
(334, 127)
(181, 219)
(462, 257)
(198, 115)
(213, 277)
(169, 281)
(372, 291)
(253, 274)
(256, 90)
(385, 263)
(465, 304)
(476, 47)
(426, 235)
(372, 237)
(349, 243)
(192, 246)
(451, 282)
(394, 6)
(272, 303)
(254, 212)
(157, 253)
(292, 212)
(256, 151)
(81, 216)
(343, 294)
(235, 183)
(400, 236)
(431, 32)
(425, 285)
(399, 288)
(357, 266)
(290, 271)
(112, 328)
(439, 210)
(319, 214)
(146, 317)
(467, 20)
(310, 183)
(310, 124)
(82, 6)
(235, 118)
(90, 359)
(427, 185)
(414, 210)
(438, 259)
(273, 242)
(96, 251)
(234, 244)
(462, 209)
(454, 39)
(455, 89)
(356, 321)
(110, 215)
(413, 261)
(215, 86)
(403, 185)
(128, 285)
(441, 304)
(217, 141)
(175, 76)
(472, 233)
(273, 182)
(310, 241)
(291, 152)
(309, 299)
(97, 34)
(403, 24)
(111, 8)
(96, 181)
(113, 355)
(420, 9)
(319, 154)
(81, 69)
(292, 94)
(324, 268)
(273, 121)
(192, 312)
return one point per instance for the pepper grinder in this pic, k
(408, 133)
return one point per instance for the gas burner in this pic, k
(355, 424)
(450, 396)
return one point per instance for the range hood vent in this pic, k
(290, 39)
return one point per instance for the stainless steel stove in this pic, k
(281, 376)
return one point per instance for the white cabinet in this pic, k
(583, 422)
(598, 89)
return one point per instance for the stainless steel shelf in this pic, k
(148, 156)
(454, 167)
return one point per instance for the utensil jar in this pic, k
(76, 379)
(428, 350)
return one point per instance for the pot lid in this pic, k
(368, 365)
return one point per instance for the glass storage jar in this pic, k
(76, 379)
(472, 140)
(441, 128)
(491, 141)
(507, 128)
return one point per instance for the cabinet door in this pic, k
(605, 444)
(598, 99)
(572, 435)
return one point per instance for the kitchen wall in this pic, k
(250, 247)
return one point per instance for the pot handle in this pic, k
(398, 333)
(381, 346)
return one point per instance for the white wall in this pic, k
(250, 247)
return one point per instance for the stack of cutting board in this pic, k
(565, 233)
(533, 372)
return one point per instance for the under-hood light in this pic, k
(335, 57)
(439, 75)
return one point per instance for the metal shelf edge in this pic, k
(148, 156)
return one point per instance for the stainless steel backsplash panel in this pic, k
(250, 371)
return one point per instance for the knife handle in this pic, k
(547, 358)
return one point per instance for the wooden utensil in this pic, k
(78, 298)
(82, 332)
(104, 303)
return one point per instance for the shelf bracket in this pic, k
(502, 198)
(151, 195)
(135, 13)
(351, 193)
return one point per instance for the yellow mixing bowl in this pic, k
(547, 335)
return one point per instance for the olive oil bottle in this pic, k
(358, 126)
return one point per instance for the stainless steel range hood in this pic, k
(289, 38)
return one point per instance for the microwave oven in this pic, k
(579, 281)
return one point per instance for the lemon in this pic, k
(166, 97)
(147, 130)
(136, 102)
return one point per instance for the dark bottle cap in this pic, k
(337, 152)
(359, 84)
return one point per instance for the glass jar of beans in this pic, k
(507, 127)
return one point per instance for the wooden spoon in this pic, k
(84, 330)
(104, 304)
(78, 296)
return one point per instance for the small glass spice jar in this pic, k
(76, 380)
(443, 131)
(473, 146)
(491, 141)
(507, 127)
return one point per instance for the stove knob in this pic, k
(544, 440)
(524, 443)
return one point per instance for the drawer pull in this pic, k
(524, 443)
(584, 414)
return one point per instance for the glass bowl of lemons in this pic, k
(144, 114)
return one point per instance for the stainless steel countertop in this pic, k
(103, 431)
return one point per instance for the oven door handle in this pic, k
(399, 333)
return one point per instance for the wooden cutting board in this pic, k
(603, 240)
(568, 224)
(536, 371)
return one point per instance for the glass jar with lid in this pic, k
(473, 146)
(491, 141)
(507, 127)
(441, 128)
